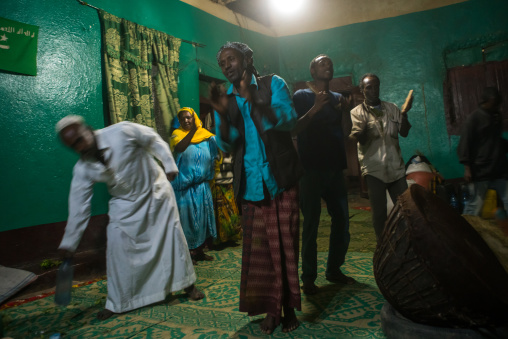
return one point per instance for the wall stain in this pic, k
(426, 120)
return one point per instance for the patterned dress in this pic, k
(227, 216)
(193, 193)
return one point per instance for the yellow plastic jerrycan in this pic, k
(489, 204)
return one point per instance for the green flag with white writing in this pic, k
(18, 47)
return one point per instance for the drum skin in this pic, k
(434, 268)
(423, 179)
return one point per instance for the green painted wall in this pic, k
(36, 169)
(408, 52)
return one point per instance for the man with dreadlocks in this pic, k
(253, 121)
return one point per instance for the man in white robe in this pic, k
(147, 255)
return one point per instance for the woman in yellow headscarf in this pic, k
(195, 152)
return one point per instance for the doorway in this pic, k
(205, 108)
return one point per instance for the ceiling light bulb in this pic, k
(287, 6)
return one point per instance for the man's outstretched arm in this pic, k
(80, 198)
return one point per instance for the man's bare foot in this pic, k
(104, 314)
(268, 324)
(290, 321)
(194, 293)
(201, 256)
(207, 257)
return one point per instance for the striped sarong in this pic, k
(270, 255)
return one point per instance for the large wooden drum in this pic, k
(434, 268)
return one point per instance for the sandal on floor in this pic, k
(341, 278)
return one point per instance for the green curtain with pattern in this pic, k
(130, 50)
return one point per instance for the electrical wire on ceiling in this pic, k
(195, 44)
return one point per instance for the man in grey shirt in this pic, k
(376, 127)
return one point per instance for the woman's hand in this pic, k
(193, 128)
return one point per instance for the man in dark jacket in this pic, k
(253, 121)
(482, 151)
(319, 130)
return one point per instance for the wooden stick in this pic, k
(408, 98)
(310, 84)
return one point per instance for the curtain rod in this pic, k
(196, 44)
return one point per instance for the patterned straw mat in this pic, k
(337, 311)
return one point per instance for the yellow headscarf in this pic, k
(178, 134)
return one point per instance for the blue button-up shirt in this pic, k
(256, 169)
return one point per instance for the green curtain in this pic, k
(167, 55)
(129, 53)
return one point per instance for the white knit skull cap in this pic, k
(67, 121)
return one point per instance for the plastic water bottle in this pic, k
(64, 277)
(454, 202)
(464, 200)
